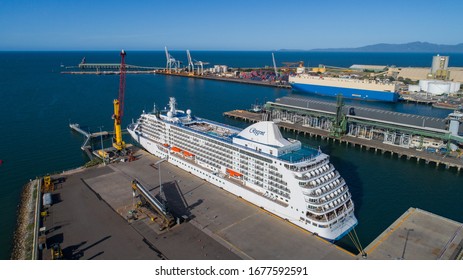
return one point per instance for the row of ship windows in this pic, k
(201, 172)
(222, 157)
(202, 153)
(257, 182)
(209, 160)
(188, 142)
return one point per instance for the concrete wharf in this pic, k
(362, 143)
(419, 235)
(89, 219)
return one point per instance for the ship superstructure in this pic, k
(364, 89)
(295, 182)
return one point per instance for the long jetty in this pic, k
(227, 79)
(366, 144)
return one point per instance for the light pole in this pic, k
(102, 148)
(161, 193)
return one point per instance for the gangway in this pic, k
(153, 203)
(88, 136)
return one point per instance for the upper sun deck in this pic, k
(206, 127)
(212, 129)
(301, 155)
(262, 138)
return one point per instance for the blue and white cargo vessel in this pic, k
(294, 182)
(363, 89)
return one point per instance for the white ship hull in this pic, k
(291, 207)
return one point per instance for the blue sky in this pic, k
(224, 25)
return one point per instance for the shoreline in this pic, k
(23, 236)
(22, 247)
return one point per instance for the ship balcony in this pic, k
(320, 180)
(273, 184)
(314, 175)
(275, 174)
(327, 187)
(278, 180)
(311, 167)
(321, 217)
(330, 196)
(328, 202)
(330, 214)
(279, 192)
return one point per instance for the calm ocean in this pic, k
(37, 103)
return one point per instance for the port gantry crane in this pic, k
(275, 67)
(191, 66)
(118, 143)
(172, 63)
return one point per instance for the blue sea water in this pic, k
(37, 104)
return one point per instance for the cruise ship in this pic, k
(363, 89)
(294, 182)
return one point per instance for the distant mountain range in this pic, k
(408, 47)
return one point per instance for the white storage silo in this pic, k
(424, 85)
(413, 88)
(439, 63)
(454, 87)
(438, 88)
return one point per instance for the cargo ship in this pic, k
(280, 175)
(369, 90)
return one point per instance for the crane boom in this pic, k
(274, 65)
(191, 67)
(119, 107)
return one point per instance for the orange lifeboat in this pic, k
(187, 154)
(175, 149)
(165, 145)
(233, 173)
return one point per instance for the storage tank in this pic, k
(413, 88)
(424, 85)
(436, 88)
(454, 87)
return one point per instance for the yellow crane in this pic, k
(118, 143)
